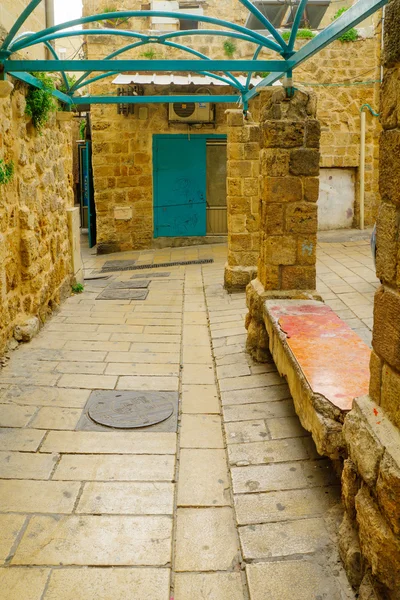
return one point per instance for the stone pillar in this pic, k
(243, 152)
(370, 533)
(289, 186)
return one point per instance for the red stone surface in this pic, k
(334, 360)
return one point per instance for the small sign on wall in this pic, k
(123, 213)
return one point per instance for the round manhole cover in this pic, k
(127, 412)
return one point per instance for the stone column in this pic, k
(243, 151)
(370, 533)
(289, 186)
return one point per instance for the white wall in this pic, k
(336, 199)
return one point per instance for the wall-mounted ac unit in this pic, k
(191, 112)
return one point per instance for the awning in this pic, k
(170, 78)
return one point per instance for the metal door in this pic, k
(179, 186)
(88, 196)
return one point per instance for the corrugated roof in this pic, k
(170, 78)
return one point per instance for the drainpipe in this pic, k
(362, 158)
(49, 7)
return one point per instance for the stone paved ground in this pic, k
(237, 506)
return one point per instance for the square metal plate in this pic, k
(121, 294)
(129, 285)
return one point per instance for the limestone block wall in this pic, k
(35, 260)
(370, 534)
(10, 10)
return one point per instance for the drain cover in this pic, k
(121, 294)
(112, 266)
(128, 410)
(153, 275)
(129, 285)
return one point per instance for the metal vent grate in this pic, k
(184, 109)
(201, 261)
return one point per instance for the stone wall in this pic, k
(10, 10)
(35, 260)
(370, 533)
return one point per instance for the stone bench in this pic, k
(325, 363)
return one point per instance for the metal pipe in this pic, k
(50, 22)
(362, 168)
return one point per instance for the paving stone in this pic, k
(159, 384)
(275, 580)
(320, 473)
(200, 485)
(104, 382)
(250, 381)
(273, 451)
(129, 285)
(196, 335)
(15, 416)
(99, 346)
(144, 357)
(200, 399)
(156, 370)
(24, 465)
(89, 442)
(268, 478)
(256, 395)
(121, 294)
(139, 498)
(239, 432)
(262, 410)
(234, 370)
(25, 440)
(144, 467)
(198, 374)
(201, 431)
(213, 586)
(52, 417)
(28, 496)
(205, 539)
(284, 506)
(104, 584)
(195, 318)
(23, 583)
(88, 368)
(288, 427)
(10, 526)
(96, 540)
(223, 350)
(268, 540)
(46, 396)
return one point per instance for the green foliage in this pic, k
(71, 81)
(305, 34)
(229, 48)
(150, 54)
(39, 102)
(351, 35)
(264, 74)
(116, 21)
(82, 129)
(77, 288)
(6, 171)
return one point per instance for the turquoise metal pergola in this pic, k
(287, 59)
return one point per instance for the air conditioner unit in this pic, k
(191, 112)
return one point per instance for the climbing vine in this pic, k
(39, 102)
(6, 171)
(351, 35)
(305, 34)
(82, 129)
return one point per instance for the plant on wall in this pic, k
(113, 21)
(71, 79)
(6, 171)
(150, 54)
(82, 129)
(351, 35)
(40, 102)
(305, 34)
(229, 48)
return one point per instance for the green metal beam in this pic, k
(154, 66)
(31, 80)
(154, 99)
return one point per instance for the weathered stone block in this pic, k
(269, 276)
(241, 168)
(391, 54)
(390, 93)
(238, 277)
(274, 222)
(313, 133)
(350, 486)
(350, 553)
(298, 278)
(307, 250)
(378, 543)
(387, 231)
(281, 189)
(390, 394)
(282, 134)
(29, 249)
(304, 161)
(234, 186)
(375, 382)
(311, 189)
(26, 331)
(386, 331)
(234, 117)
(301, 217)
(280, 250)
(389, 166)
(388, 490)
(274, 162)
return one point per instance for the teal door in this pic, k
(179, 186)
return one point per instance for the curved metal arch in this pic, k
(260, 39)
(234, 81)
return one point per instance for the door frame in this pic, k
(158, 136)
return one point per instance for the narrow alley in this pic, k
(226, 499)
